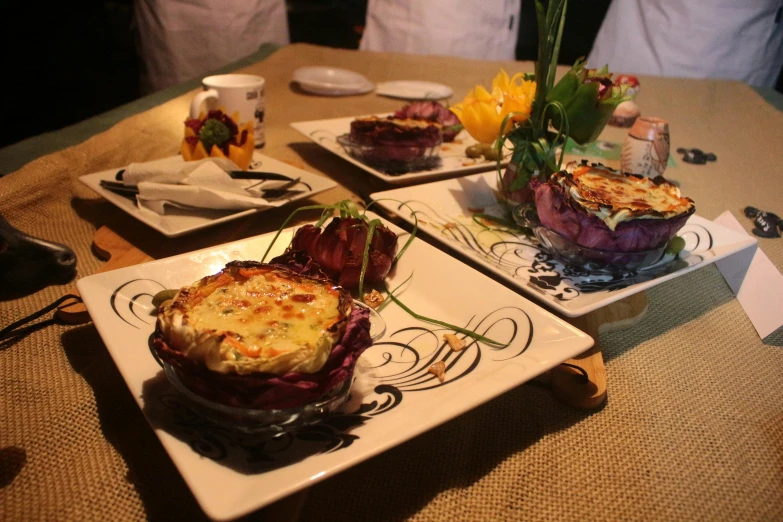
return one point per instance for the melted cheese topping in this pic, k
(615, 197)
(256, 320)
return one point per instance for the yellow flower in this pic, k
(482, 112)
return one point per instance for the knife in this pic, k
(240, 174)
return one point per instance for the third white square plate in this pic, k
(454, 161)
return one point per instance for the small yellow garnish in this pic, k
(455, 342)
(439, 370)
(373, 299)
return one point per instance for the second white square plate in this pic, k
(445, 211)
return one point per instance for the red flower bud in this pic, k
(339, 250)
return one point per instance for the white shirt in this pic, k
(482, 29)
(731, 39)
(184, 39)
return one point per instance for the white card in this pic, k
(755, 281)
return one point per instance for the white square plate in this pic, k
(393, 397)
(180, 222)
(445, 211)
(453, 159)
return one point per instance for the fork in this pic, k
(279, 191)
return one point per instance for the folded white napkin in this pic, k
(169, 170)
(203, 184)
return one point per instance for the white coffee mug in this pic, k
(242, 93)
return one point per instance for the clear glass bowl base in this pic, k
(583, 258)
(269, 423)
(393, 159)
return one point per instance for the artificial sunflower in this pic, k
(482, 112)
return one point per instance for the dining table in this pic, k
(691, 427)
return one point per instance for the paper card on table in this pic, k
(755, 281)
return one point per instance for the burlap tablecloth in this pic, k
(692, 429)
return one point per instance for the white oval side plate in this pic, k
(414, 90)
(331, 81)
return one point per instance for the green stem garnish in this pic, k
(534, 146)
(366, 255)
(505, 224)
(415, 225)
(469, 333)
(386, 302)
(288, 220)
(348, 208)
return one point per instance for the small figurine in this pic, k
(646, 148)
(696, 156)
(766, 224)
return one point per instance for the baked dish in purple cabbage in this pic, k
(593, 216)
(262, 337)
(394, 146)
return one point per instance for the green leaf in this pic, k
(520, 180)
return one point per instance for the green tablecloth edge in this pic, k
(15, 156)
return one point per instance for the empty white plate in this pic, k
(331, 81)
(414, 90)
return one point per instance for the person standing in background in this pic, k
(180, 40)
(729, 39)
(470, 29)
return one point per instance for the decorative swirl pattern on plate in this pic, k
(132, 301)
(521, 257)
(408, 353)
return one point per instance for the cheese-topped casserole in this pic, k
(252, 318)
(615, 197)
(373, 130)
(404, 123)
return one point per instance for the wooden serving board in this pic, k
(571, 386)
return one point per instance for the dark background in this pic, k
(68, 61)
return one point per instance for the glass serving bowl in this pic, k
(393, 159)
(271, 422)
(583, 258)
(377, 324)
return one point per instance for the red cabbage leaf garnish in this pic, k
(432, 111)
(339, 244)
